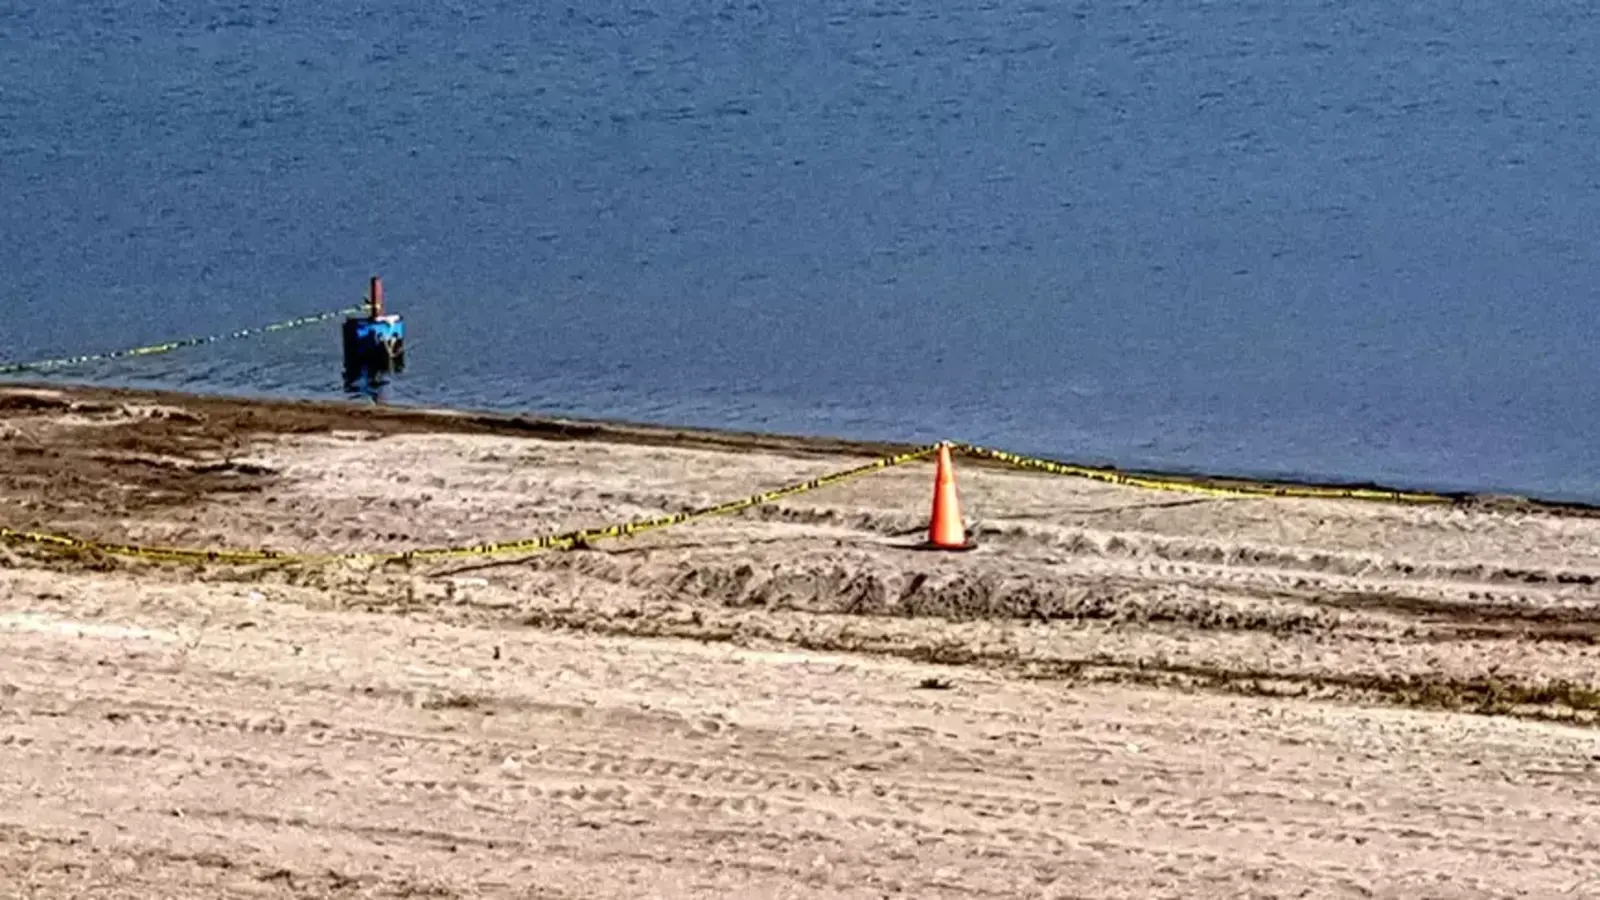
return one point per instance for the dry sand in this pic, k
(1121, 693)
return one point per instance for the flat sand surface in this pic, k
(1120, 693)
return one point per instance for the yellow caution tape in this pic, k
(169, 346)
(561, 541)
(1176, 483)
(174, 554)
(582, 537)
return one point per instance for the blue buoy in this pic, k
(374, 344)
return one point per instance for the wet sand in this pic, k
(1120, 693)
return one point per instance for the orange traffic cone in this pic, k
(946, 531)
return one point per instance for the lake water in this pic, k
(1349, 240)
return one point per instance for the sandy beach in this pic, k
(1121, 693)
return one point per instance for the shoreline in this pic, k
(330, 413)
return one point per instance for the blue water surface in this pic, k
(1345, 240)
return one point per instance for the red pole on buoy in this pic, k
(376, 298)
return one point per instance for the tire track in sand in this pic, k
(585, 780)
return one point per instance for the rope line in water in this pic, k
(168, 346)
